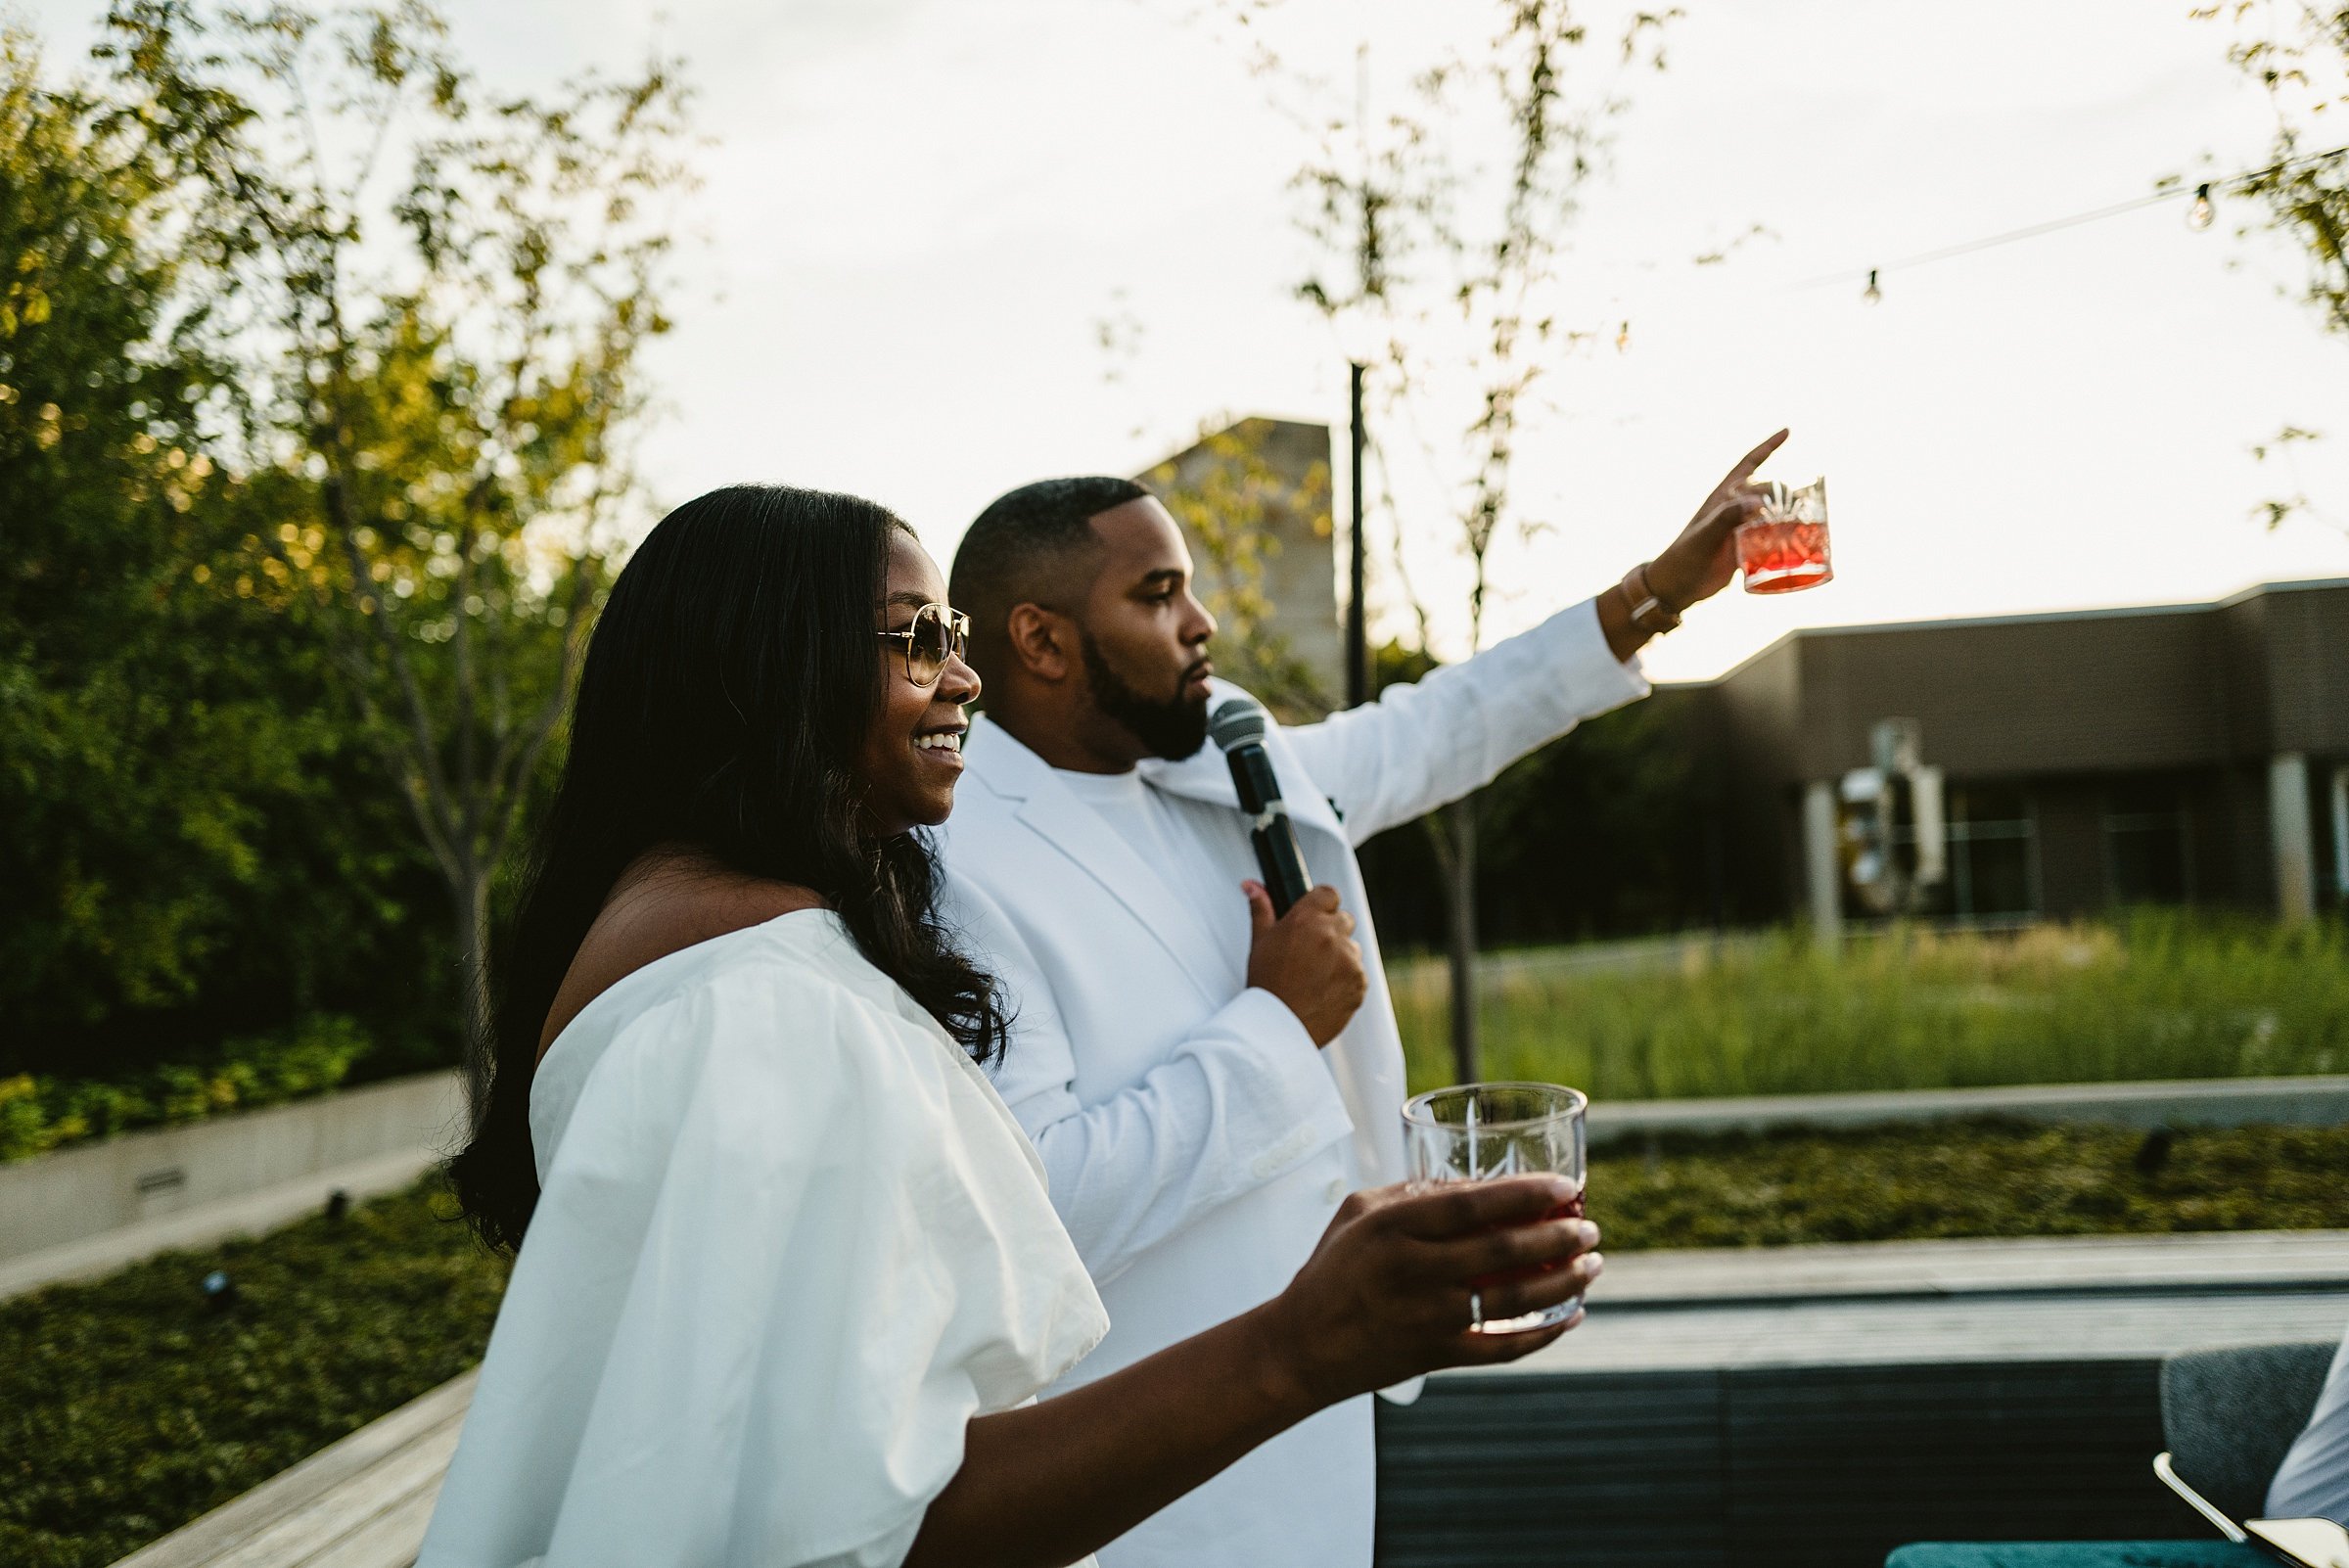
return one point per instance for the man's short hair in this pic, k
(1032, 546)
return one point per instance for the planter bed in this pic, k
(1965, 1179)
(132, 1405)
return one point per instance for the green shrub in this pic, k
(38, 1114)
(128, 1406)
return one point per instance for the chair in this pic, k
(2230, 1416)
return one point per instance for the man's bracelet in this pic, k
(1649, 613)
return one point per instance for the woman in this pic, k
(792, 1277)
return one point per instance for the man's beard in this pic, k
(1172, 729)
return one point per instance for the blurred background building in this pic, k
(2171, 753)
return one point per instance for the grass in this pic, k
(1974, 1178)
(2159, 993)
(128, 1406)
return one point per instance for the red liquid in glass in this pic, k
(1782, 557)
(1571, 1209)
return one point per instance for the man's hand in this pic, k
(1700, 562)
(1308, 959)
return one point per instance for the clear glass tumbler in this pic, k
(1785, 548)
(1476, 1131)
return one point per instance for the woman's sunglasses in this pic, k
(938, 632)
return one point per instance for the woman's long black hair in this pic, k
(729, 683)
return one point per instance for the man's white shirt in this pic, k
(2313, 1482)
(1192, 845)
(1195, 1141)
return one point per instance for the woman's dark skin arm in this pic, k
(1384, 1297)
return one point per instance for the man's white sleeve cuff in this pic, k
(1287, 1107)
(1583, 654)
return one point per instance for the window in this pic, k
(2148, 850)
(2340, 834)
(1994, 852)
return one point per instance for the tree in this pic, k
(101, 908)
(127, 812)
(189, 852)
(438, 301)
(1451, 267)
(2299, 52)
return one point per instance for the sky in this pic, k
(915, 214)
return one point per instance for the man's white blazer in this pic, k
(1196, 1143)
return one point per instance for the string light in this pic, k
(2199, 216)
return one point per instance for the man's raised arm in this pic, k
(1429, 742)
(1426, 745)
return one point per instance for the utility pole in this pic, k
(1358, 625)
(1357, 630)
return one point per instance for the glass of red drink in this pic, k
(1476, 1131)
(1785, 548)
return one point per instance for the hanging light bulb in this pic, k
(1623, 338)
(2198, 216)
(1871, 294)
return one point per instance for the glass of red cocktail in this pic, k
(1785, 548)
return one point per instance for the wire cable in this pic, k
(2052, 225)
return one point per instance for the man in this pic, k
(1206, 1082)
(2313, 1482)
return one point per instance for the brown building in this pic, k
(2172, 754)
(1253, 500)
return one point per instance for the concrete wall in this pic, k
(2166, 687)
(2307, 673)
(2096, 693)
(89, 1189)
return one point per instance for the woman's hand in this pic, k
(1700, 562)
(1386, 1295)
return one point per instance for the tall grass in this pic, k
(2154, 993)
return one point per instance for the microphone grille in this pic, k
(1236, 721)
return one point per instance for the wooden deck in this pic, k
(2058, 1300)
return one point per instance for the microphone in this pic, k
(1237, 727)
